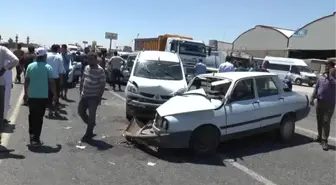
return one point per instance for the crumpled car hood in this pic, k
(160, 87)
(188, 102)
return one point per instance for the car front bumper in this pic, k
(148, 134)
(141, 109)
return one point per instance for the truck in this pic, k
(190, 51)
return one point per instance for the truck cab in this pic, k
(190, 51)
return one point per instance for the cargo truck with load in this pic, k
(190, 51)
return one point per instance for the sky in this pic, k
(72, 21)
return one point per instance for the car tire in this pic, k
(287, 128)
(310, 84)
(128, 116)
(205, 140)
(298, 81)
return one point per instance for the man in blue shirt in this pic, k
(67, 60)
(325, 94)
(200, 68)
(39, 79)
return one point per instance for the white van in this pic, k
(298, 69)
(155, 78)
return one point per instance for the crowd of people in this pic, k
(45, 81)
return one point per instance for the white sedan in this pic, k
(222, 106)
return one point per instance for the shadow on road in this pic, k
(58, 117)
(99, 144)
(69, 100)
(45, 149)
(7, 154)
(234, 149)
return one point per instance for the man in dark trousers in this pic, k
(91, 91)
(325, 93)
(38, 81)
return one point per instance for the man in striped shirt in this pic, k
(91, 90)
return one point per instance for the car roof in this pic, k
(287, 61)
(159, 55)
(237, 75)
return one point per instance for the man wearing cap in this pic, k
(38, 81)
(7, 61)
(325, 94)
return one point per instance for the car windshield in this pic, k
(124, 57)
(73, 49)
(189, 48)
(215, 88)
(162, 70)
(130, 61)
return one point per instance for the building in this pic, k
(314, 40)
(217, 45)
(261, 41)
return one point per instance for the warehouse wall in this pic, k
(317, 35)
(261, 41)
(263, 53)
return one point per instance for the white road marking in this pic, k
(117, 95)
(250, 172)
(309, 133)
(6, 136)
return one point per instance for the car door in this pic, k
(242, 108)
(270, 100)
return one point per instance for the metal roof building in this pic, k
(262, 40)
(314, 40)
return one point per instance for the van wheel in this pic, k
(298, 81)
(287, 128)
(205, 140)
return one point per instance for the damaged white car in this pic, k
(154, 79)
(222, 106)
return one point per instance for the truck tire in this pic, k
(287, 128)
(298, 81)
(205, 140)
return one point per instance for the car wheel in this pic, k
(287, 128)
(205, 140)
(298, 81)
(310, 84)
(128, 116)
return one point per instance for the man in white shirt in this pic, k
(55, 60)
(8, 91)
(226, 67)
(114, 66)
(7, 61)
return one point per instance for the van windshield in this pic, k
(305, 69)
(162, 70)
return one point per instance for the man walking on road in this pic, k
(7, 61)
(8, 91)
(19, 53)
(114, 67)
(91, 90)
(226, 66)
(38, 81)
(67, 59)
(325, 93)
(55, 60)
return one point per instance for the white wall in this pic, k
(320, 36)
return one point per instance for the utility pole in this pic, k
(16, 40)
(28, 40)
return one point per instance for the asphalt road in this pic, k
(111, 160)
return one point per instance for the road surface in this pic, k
(111, 160)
